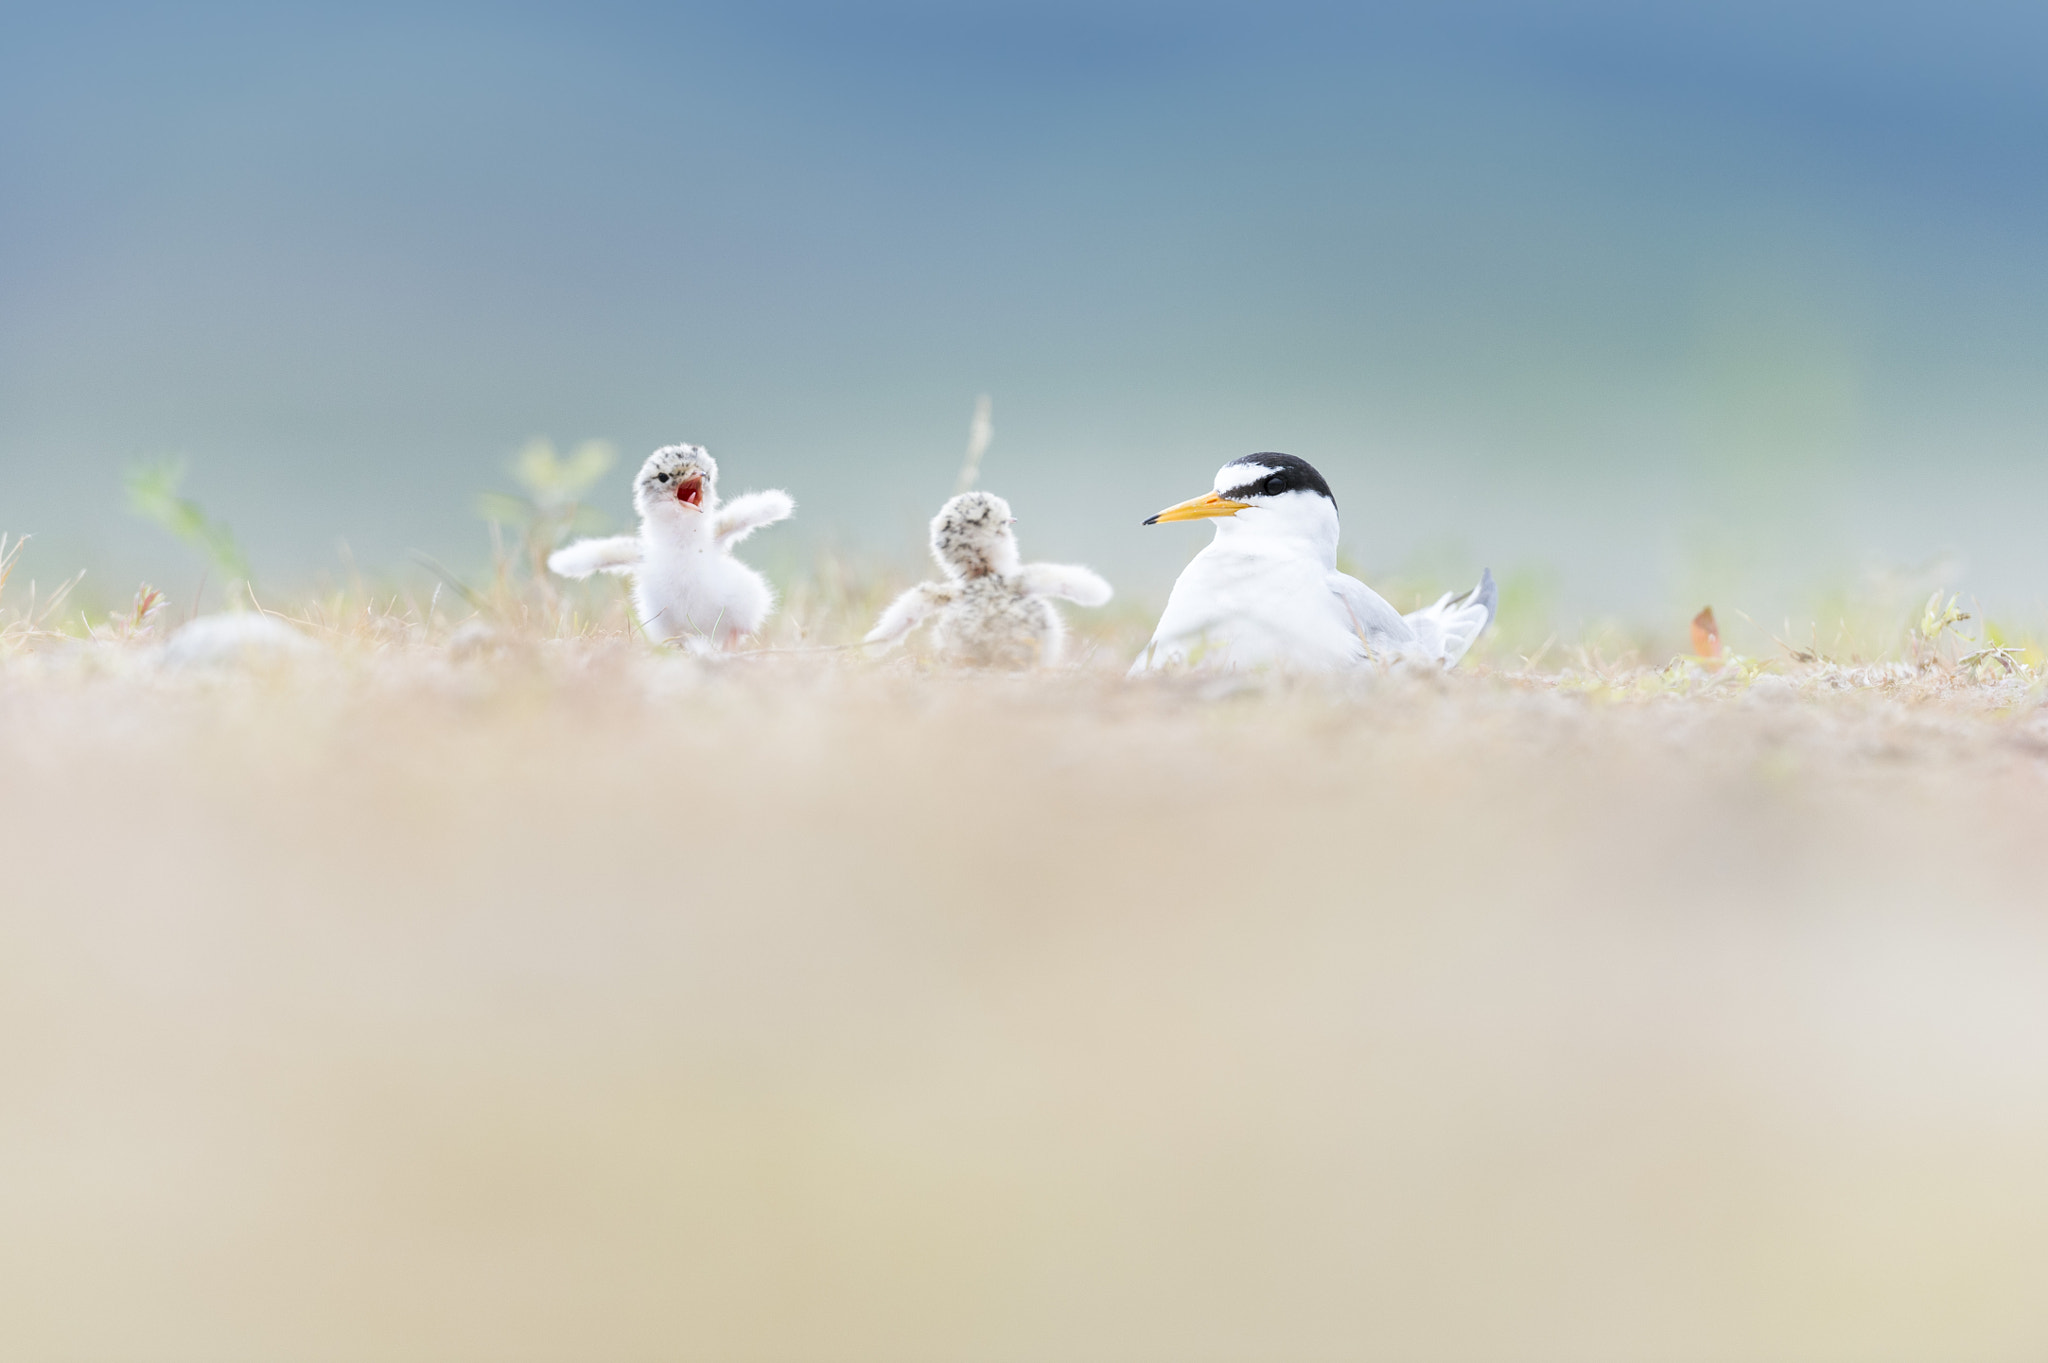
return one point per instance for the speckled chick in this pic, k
(991, 610)
(687, 586)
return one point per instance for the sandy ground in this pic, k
(566, 1002)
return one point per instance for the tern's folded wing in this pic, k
(1370, 616)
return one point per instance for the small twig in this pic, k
(2001, 654)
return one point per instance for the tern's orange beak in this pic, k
(1200, 509)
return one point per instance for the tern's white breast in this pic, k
(1247, 602)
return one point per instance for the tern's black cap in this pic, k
(1282, 473)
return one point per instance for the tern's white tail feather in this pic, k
(619, 554)
(1444, 631)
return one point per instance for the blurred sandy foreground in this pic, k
(587, 1004)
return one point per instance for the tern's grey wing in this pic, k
(1372, 618)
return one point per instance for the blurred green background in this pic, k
(1645, 306)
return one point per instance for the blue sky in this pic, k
(1661, 301)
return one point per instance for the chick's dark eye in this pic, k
(1275, 485)
(662, 476)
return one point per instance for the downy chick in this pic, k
(686, 582)
(991, 610)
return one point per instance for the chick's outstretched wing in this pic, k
(1068, 581)
(748, 512)
(907, 612)
(619, 554)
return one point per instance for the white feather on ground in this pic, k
(236, 638)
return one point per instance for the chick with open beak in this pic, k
(687, 585)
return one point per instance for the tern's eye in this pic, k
(662, 476)
(1275, 485)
